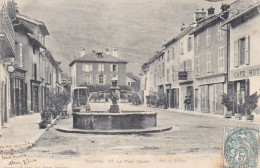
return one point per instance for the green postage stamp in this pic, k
(240, 148)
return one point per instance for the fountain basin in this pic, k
(111, 121)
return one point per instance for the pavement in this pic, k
(21, 132)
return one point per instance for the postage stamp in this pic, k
(240, 147)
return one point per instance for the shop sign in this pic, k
(244, 73)
(183, 75)
(212, 80)
(19, 74)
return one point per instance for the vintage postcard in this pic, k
(129, 83)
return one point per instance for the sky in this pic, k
(136, 27)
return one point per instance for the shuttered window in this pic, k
(87, 67)
(208, 58)
(100, 67)
(220, 57)
(21, 54)
(197, 65)
(236, 53)
(173, 53)
(242, 51)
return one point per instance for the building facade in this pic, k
(210, 63)
(179, 68)
(97, 68)
(7, 53)
(244, 67)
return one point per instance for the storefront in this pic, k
(186, 91)
(18, 92)
(210, 94)
(243, 82)
(35, 98)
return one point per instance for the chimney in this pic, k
(114, 52)
(183, 27)
(211, 11)
(82, 52)
(199, 15)
(224, 7)
(107, 51)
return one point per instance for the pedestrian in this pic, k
(186, 103)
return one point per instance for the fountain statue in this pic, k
(114, 93)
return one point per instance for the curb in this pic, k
(196, 113)
(113, 132)
(31, 143)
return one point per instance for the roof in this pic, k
(35, 41)
(158, 54)
(180, 35)
(205, 22)
(236, 12)
(131, 75)
(35, 22)
(93, 57)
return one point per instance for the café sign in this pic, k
(244, 73)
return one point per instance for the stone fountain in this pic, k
(114, 121)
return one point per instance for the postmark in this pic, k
(240, 148)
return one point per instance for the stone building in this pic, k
(97, 68)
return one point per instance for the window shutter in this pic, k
(117, 68)
(105, 79)
(99, 68)
(247, 53)
(97, 79)
(90, 67)
(83, 79)
(90, 79)
(236, 53)
(111, 67)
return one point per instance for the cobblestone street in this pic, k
(191, 134)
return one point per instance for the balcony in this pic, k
(7, 35)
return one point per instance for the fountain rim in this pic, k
(96, 113)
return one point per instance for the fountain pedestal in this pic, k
(114, 93)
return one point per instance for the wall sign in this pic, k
(244, 73)
(183, 75)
